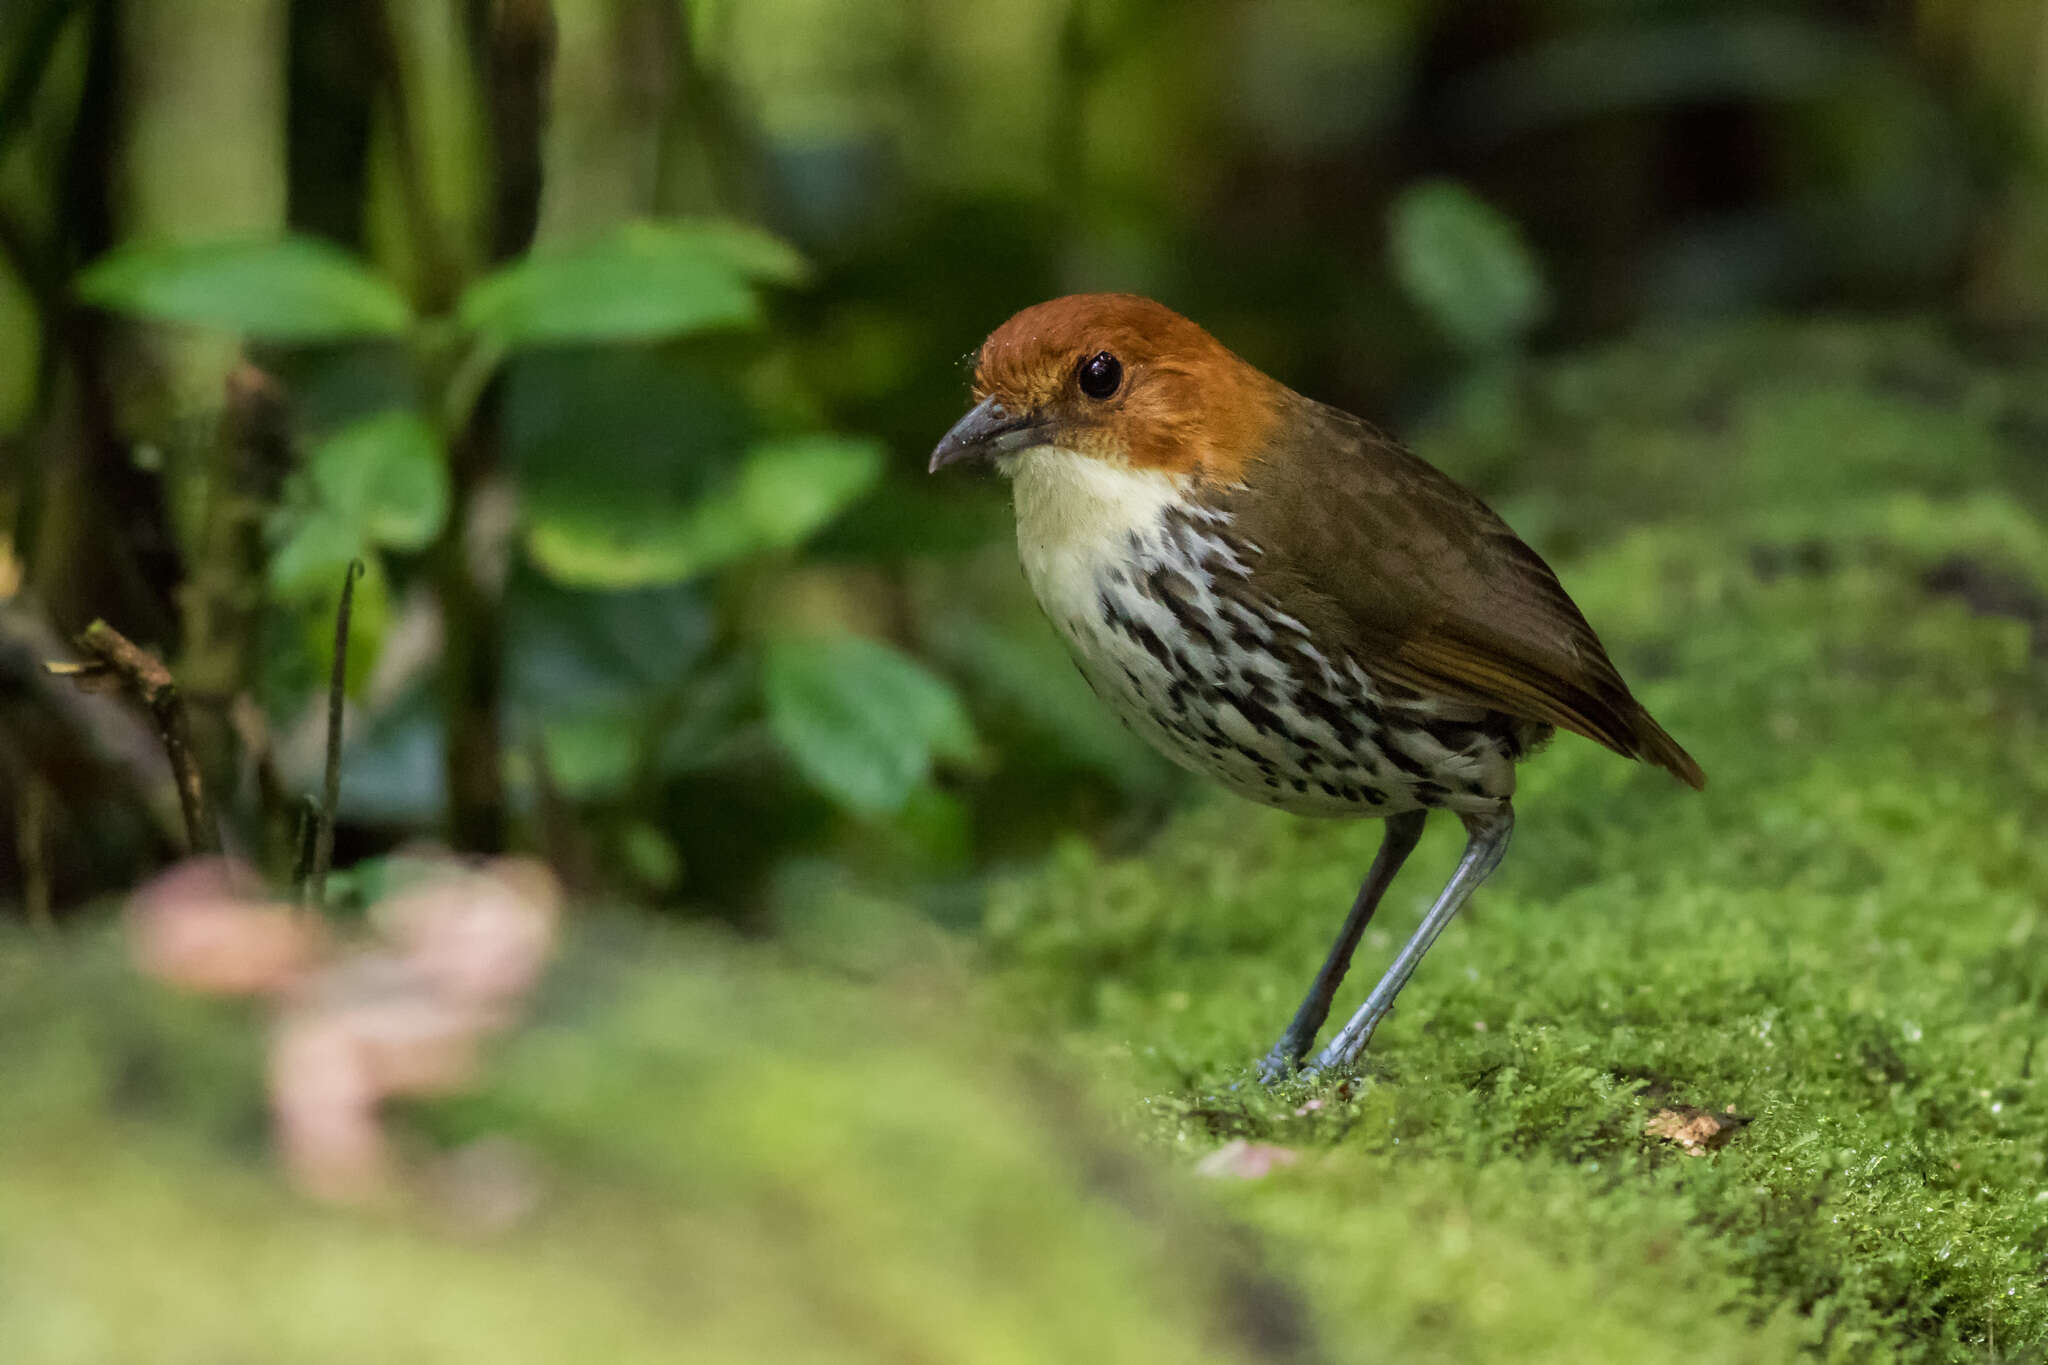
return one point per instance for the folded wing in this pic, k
(1435, 592)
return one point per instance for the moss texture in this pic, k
(725, 1156)
(1816, 551)
(1815, 548)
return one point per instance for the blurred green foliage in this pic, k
(294, 289)
(611, 333)
(1466, 266)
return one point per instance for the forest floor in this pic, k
(870, 1140)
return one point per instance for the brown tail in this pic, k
(1655, 745)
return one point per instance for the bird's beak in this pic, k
(988, 430)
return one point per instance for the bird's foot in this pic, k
(1279, 1065)
(1288, 1059)
(1344, 1050)
(1319, 1073)
(1285, 1059)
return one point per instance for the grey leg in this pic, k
(1488, 840)
(1402, 832)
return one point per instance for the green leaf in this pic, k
(860, 720)
(644, 282)
(788, 489)
(312, 552)
(568, 650)
(381, 481)
(306, 573)
(582, 545)
(651, 856)
(278, 289)
(757, 255)
(1465, 264)
(386, 476)
(593, 757)
(784, 492)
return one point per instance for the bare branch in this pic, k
(146, 679)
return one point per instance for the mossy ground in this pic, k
(1815, 548)
(731, 1157)
(1815, 551)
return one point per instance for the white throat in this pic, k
(1075, 517)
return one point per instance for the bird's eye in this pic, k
(1100, 374)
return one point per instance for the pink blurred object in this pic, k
(404, 1013)
(1246, 1160)
(481, 937)
(198, 928)
(323, 1104)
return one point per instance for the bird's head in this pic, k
(1116, 378)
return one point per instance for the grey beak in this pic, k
(988, 430)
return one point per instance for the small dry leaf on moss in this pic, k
(1695, 1132)
(1245, 1160)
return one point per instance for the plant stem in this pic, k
(146, 678)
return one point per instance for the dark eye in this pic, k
(1100, 374)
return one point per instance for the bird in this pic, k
(1278, 596)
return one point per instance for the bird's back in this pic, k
(1417, 578)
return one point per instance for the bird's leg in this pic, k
(1488, 840)
(1402, 832)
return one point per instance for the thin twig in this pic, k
(67, 712)
(330, 780)
(146, 678)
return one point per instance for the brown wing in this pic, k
(1436, 593)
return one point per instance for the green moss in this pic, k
(1786, 534)
(736, 1158)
